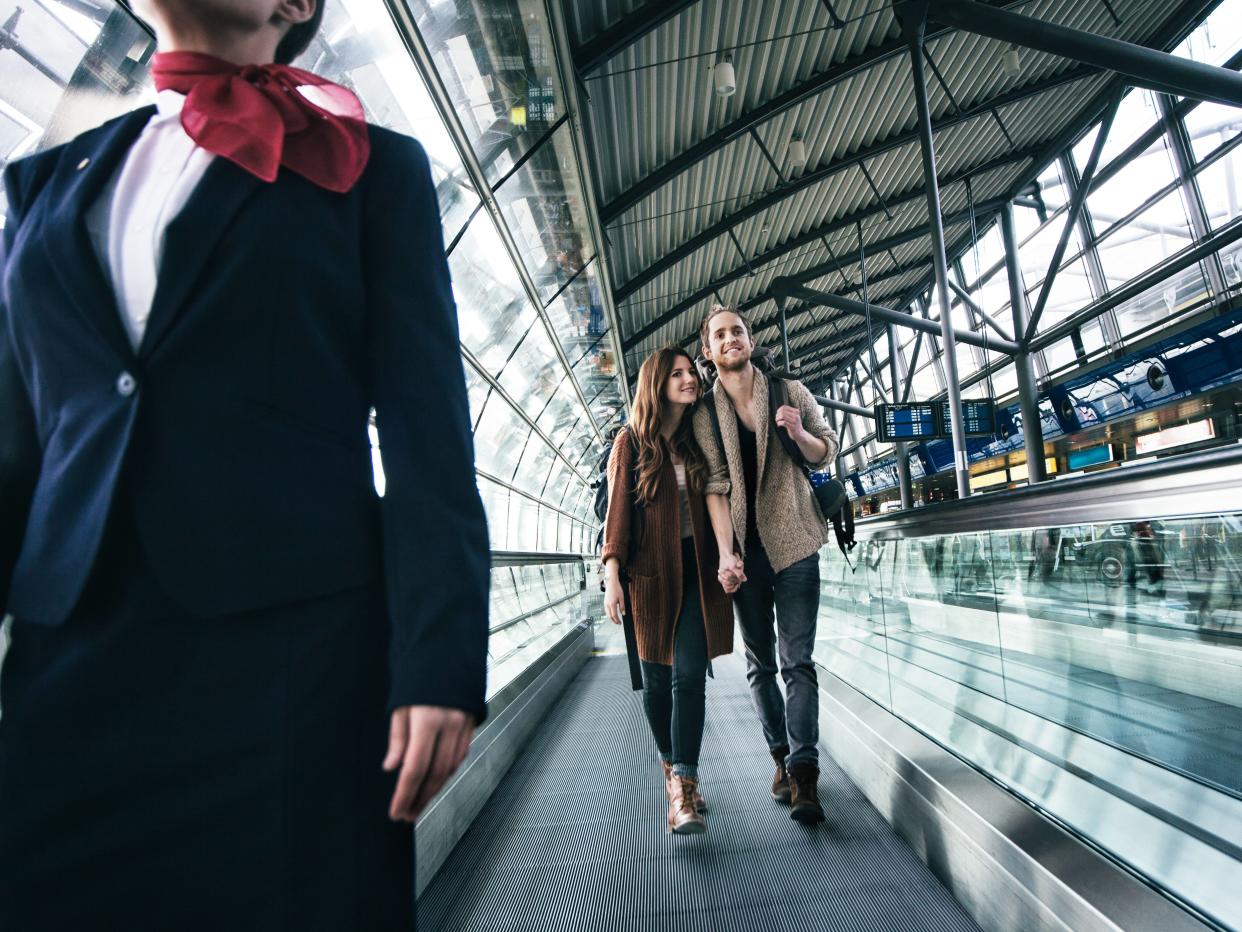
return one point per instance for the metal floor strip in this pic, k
(573, 838)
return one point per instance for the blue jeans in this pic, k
(794, 594)
(674, 696)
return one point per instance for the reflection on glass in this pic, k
(359, 47)
(496, 59)
(1112, 651)
(543, 207)
(493, 312)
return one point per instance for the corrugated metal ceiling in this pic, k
(654, 100)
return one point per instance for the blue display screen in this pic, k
(1090, 456)
(978, 417)
(905, 422)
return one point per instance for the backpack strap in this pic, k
(778, 395)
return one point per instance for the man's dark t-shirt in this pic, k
(750, 468)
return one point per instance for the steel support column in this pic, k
(895, 375)
(1028, 389)
(914, 26)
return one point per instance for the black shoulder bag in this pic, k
(636, 531)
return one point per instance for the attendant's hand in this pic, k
(790, 418)
(428, 743)
(614, 599)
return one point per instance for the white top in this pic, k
(128, 222)
(687, 528)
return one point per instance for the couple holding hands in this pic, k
(701, 480)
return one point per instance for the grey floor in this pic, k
(574, 838)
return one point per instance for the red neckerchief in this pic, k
(258, 117)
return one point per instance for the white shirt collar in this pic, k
(168, 104)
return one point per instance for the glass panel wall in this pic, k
(1142, 210)
(541, 368)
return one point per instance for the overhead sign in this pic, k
(978, 417)
(915, 421)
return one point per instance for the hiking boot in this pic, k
(780, 780)
(699, 804)
(804, 786)
(683, 818)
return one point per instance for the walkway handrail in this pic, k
(1206, 483)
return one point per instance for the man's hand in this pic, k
(790, 418)
(731, 573)
(813, 449)
(428, 743)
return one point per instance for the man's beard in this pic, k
(733, 364)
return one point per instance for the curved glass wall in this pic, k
(540, 365)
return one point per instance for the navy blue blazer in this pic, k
(283, 313)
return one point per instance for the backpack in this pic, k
(600, 485)
(829, 493)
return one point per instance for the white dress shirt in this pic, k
(128, 222)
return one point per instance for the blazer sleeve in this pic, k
(717, 466)
(617, 521)
(436, 555)
(813, 421)
(20, 451)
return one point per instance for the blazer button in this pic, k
(126, 384)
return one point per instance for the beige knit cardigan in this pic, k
(791, 526)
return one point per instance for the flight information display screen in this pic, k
(978, 417)
(915, 421)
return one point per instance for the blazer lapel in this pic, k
(88, 166)
(190, 240)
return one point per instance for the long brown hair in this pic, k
(651, 407)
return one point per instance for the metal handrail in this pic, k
(1206, 483)
(529, 558)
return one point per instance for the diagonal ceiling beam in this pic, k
(889, 143)
(823, 230)
(814, 85)
(596, 52)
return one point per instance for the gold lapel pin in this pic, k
(82, 164)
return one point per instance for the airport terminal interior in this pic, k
(1001, 243)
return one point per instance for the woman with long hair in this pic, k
(660, 551)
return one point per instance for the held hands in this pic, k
(731, 573)
(790, 418)
(614, 598)
(428, 743)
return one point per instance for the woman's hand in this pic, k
(614, 598)
(731, 573)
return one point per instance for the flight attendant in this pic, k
(235, 673)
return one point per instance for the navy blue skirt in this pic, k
(161, 771)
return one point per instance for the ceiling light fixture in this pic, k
(724, 77)
(797, 153)
(1011, 62)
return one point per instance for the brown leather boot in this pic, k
(699, 803)
(804, 786)
(780, 781)
(683, 818)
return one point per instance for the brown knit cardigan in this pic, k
(656, 574)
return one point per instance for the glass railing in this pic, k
(1079, 642)
(536, 600)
